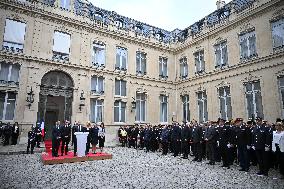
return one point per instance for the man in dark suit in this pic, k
(77, 127)
(56, 137)
(65, 131)
(31, 140)
(261, 144)
(210, 139)
(176, 138)
(196, 139)
(38, 134)
(185, 139)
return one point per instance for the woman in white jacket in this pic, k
(278, 146)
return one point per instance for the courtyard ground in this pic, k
(129, 168)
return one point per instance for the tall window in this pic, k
(120, 87)
(98, 54)
(97, 109)
(9, 74)
(7, 105)
(225, 103)
(140, 107)
(163, 67)
(65, 4)
(163, 109)
(254, 99)
(119, 111)
(140, 63)
(121, 58)
(278, 33)
(202, 106)
(183, 67)
(97, 85)
(199, 61)
(281, 89)
(185, 108)
(14, 36)
(248, 45)
(61, 46)
(221, 54)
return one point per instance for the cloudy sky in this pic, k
(166, 14)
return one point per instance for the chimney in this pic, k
(220, 4)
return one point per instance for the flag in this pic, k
(42, 129)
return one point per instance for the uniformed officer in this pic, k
(38, 134)
(260, 143)
(243, 144)
(31, 140)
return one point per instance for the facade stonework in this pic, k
(197, 43)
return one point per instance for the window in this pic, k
(183, 67)
(254, 99)
(248, 45)
(119, 111)
(163, 109)
(97, 85)
(225, 103)
(281, 89)
(119, 24)
(121, 58)
(65, 4)
(199, 62)
(185, 108)
(120, 87)
(202, 106)
(9, 74)
(7, 105)
(163, 67)
(140, 63)
(61, 46)
(14, 36)
(221, 55)
(278, 33)
(140, 107)
(98, 54)
(97, 108)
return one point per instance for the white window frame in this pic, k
(203, 100)
(163, 67)
(281, 88)
(183, 67)
(253, 92)
(121, 50)
(221, 46)
(276, 25)
(187, 109)
(98, 79)
(164, 100)
(96, 110)
(120, 87)
(5, 106)
(139, 98)
(96, 47)
(225, 98)
(10, 71)
(246, 36)
(197, 56)
(120, 112)
(139, 65)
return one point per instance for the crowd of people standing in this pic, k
(63, 134)
(248, 143)
(9, 133)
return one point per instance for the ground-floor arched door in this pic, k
(55, 99)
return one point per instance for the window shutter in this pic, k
(123, 88)
(278, 33)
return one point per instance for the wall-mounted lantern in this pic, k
(133, 104)
(30, 98)
(82, 100)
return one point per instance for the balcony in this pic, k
(60, 57)
(11, 49)
(12, 84)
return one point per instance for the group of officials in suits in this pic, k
(251, 143)
(9, 133)
(64, 133)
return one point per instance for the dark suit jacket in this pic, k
(210, 134)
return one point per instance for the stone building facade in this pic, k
(67, 59)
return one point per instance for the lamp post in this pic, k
(82, 101)
(30, 98)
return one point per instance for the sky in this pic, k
(165, 14)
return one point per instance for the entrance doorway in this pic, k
(55, 100)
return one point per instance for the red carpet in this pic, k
(69, 158)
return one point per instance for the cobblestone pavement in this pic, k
(129, 168)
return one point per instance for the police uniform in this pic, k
(31, 141)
